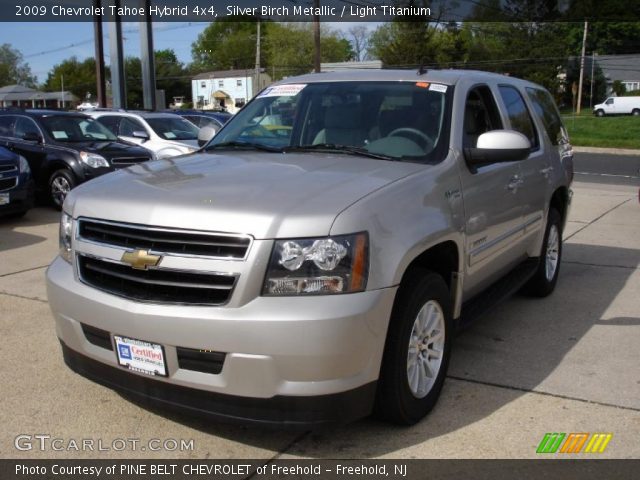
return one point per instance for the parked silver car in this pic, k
(314, 260)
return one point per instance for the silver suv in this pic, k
(312, 262)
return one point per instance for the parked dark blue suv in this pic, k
(16, 184)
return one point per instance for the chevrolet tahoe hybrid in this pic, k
(311, 263)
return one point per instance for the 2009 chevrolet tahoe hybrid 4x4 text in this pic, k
(313, 260)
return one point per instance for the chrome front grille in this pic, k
(8, 183)
(190, 271)
(156, 285)
(8, 168)
(165, 241)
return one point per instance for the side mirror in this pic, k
(205, 134)
(498, 146)
(32, 137)
(140, 134)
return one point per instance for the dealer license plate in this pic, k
(4, 198)
(141, 356)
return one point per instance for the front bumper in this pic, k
(300, 361)
(20, 199)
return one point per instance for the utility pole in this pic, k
(584, 44)
(147, 59)
(116, 57)
(316, 36)
(593, 63)
(101, 92)
(256, 85)
(61, 89)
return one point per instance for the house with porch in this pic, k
(25, 97)
(227, 89)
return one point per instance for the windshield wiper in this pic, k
(332, 147)
(236, 144)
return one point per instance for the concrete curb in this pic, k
(609, 151)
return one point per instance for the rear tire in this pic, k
(61, 182)
(544, 280)
(417, 349)
(635, 112)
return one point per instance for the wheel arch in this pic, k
(445, 259)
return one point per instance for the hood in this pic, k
(8, 157)
(108, 149)
(262, 194)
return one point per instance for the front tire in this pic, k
(61, 182)
(417, 349)
(544, 280)
(600, 113)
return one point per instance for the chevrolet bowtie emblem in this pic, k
(141, 259)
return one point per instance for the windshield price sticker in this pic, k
(436, 87)
(290, 90)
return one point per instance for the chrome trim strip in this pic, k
(473, 256)
(155, 302)
(169, 230)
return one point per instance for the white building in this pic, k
(230, 89)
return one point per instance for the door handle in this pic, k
(514, 183)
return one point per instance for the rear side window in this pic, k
(129, 125)
(25, 126)
(518, 113)
(547, 112)
(111, 122)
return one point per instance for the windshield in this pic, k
(398, 120)
(171, 128)
(66, 128)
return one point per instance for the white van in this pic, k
(618, 106)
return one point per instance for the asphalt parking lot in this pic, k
(568, 363)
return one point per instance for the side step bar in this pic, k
(476, 307)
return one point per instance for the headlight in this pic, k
(24, 165)
(66, 224)
(318, 266)
(93, 160)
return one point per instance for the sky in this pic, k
(37, 40)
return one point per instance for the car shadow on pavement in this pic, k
(518, 347)
(10, 239)
(10, 235)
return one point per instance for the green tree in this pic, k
(13, 70)
(225, 44)
(619, 88)
(404, 43)
(79, 77)
(171, 76)
(606, 38)
(289, 48)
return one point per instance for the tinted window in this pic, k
(518, 113)
(129, 125)
(24, 126)
(480, 115)
(173, 128)
(547, 112)
(6, 125)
